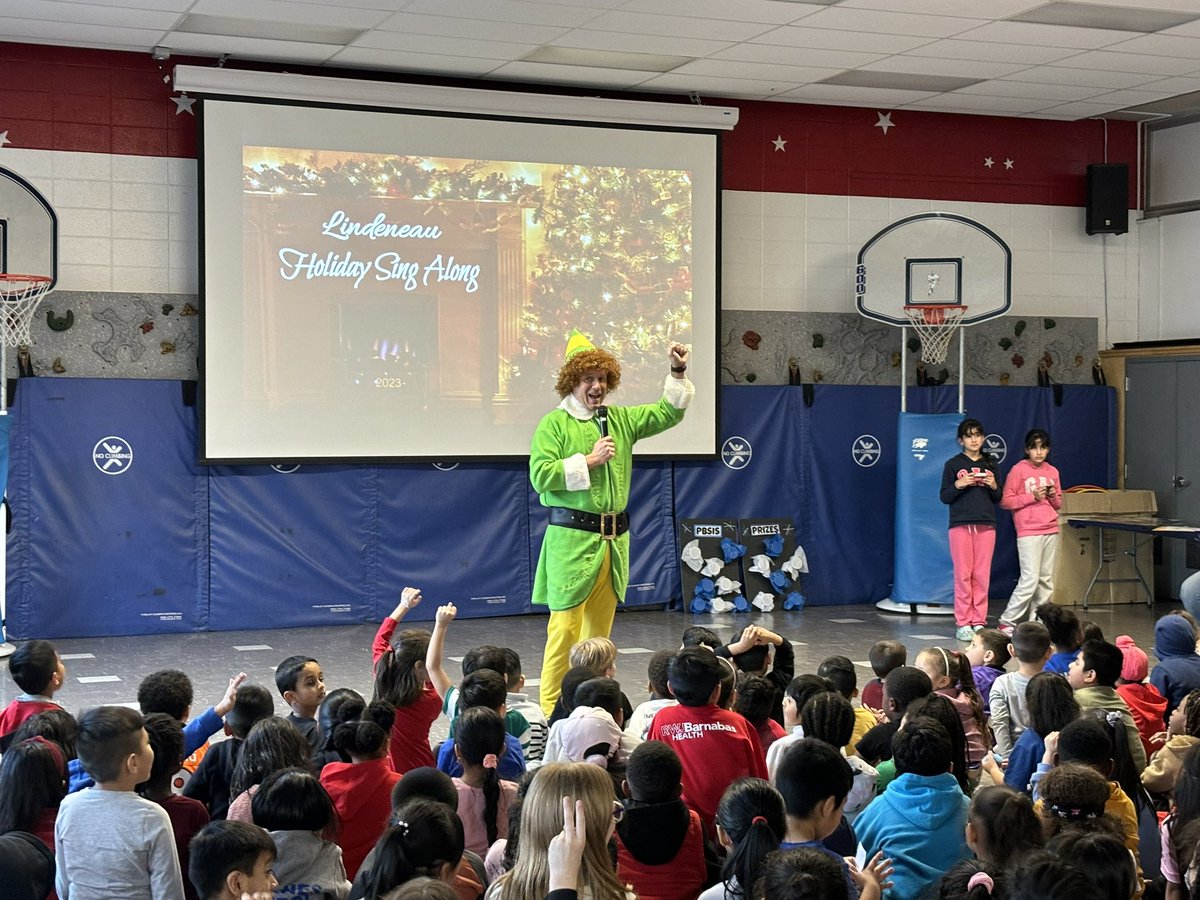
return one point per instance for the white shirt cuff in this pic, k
(679, 391)
(576, 471)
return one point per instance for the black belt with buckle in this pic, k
(607, 525)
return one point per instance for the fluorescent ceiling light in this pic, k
(1115, 18)
(606, 59)
(205, 80)
(901, 81)
(231, 26)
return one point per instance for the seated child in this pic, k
(533, 740)
(883, 656)
(827, 717)
(1066, 634)
(699, 636)
(483, 797)
(497, 659)
(949, 672)
(799, 691)
(714, 746)
(755, 697)
(1093, 674)
(988, 655)
(487, 688)
(919, 821)
(592, 732)
(327, 720)
(1178, 669)
(1183, 733)
(210, 783)
(402, 680)
(599, 656)
(814, 779)
(32, 786)
(426, 839)
(660, 695)
(840, 672)
(137, 859)
(660, 842)
(762, 652)
(1147, 706)
(901, 687)
(751, 823)
(187, 816)
(170, 691)
(296, 810)
(1030, 644)
(232, 860)
(1051, 706)
(361, 789)
(39, 673)
(301, 683)
(1075, 797)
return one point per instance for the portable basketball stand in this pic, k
(19, 298)
(923, 269)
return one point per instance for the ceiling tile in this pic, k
(505, 11)
(1128, 62)
(1174, 86)
(1122, 99)
(1087, 77)
(169, 5)
(580, 75)
(884, 22)
(770, 12)
(972, 9)
(715, 87)
(282, 11)
(34, 31)
(1075, 111)
(832, 39)
(977, 104)
(587, 39)
(1162, 45)
(924, 65)
(798, 56)
(672, 26)
(86, 14)
(1029, 54)
(1047, 35)
(762, 71)
(1032, 90)
(248, 48)
(834, 93)
(481, 29)
(444, 46)
(413, 62)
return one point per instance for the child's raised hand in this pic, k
(230, 697)
(565, 853)
(446, 614)
(409, 597)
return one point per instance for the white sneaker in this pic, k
(965, 633)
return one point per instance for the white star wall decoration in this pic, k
(1008, 164)
(4, 138)
(780, 143)
(885, 122)
(183, 104)
(988, 162)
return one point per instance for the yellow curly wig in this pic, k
(573, 369)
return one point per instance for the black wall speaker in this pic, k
(1107, 198)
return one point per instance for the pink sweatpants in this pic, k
(971, 549)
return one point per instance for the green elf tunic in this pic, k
(570, 559)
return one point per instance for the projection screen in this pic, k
(381, 285)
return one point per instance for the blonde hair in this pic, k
(597, 654)
(542, 819)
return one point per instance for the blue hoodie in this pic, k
(1178, 669)
(919, 823)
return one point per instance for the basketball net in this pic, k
(19, 298)
(934, 324)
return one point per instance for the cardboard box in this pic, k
(1078, 550)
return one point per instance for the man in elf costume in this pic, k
(580, 465)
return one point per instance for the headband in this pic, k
(982, 878)
(1074, 813)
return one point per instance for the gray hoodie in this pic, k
(307, 866)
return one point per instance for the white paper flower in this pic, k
(691, 555)
(764, 601)
(797, 564)
(720, 605)
(728, 586)
(762, 565)
(712, 566)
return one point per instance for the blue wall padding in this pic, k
(924, 573)
(96, 554)
(173, 546)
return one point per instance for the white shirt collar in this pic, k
(573, 406)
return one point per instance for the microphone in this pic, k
(602, 420)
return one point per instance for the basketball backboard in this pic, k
(934, 258)
(28, 229)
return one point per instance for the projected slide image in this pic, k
(420, 283)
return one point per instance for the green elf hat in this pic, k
(577, 343)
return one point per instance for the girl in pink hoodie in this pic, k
(1031, 493)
